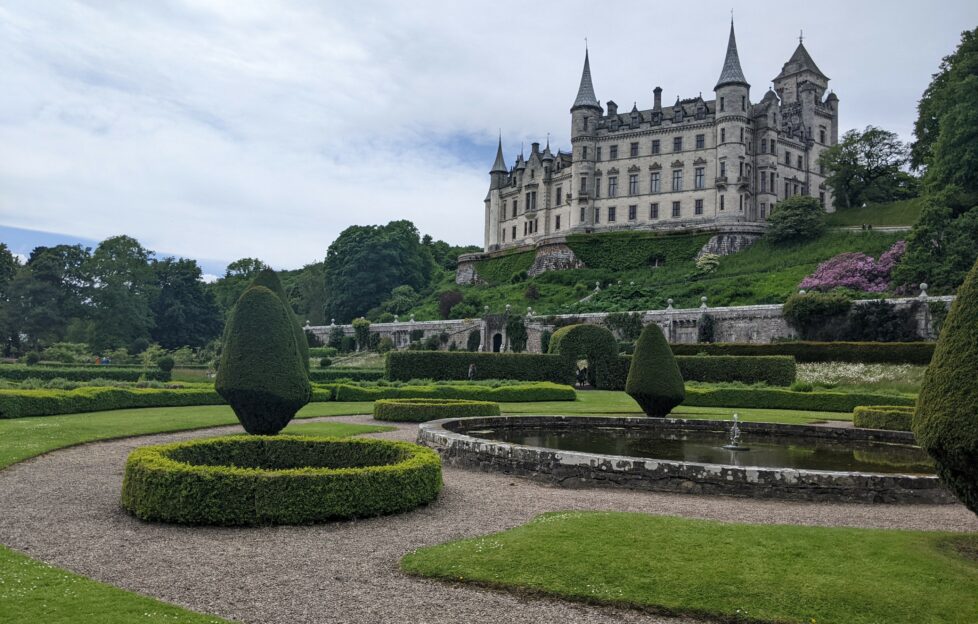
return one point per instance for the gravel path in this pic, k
(63, 508)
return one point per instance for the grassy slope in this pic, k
(731, 571)
(760, 274)
(31, 591)
(894, 213)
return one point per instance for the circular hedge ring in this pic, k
(254, 480)
(423, 410)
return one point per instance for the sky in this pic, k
(222, 129)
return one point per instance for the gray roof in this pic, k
(585, 94)
(500, 165)
(800, 61)
(731, 74)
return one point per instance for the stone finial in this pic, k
(395, 318)
(801, 292)
(507, 308)
(631, 283)
(619, 283)
(597, 286)
(307, 323)
(702, 303)
(923, 290)
(332, 322)
(668, 304)
(529, 311)
(412, 318)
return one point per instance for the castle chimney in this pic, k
(612, 109)
(534, 148)
(658, 98)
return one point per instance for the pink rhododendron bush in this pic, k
(856, 271)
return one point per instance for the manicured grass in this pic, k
(903, 212)
(22, 438)
(612, 403)
(32, 592)
(734, 572)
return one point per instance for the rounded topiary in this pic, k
(32, 358)
(654, 380)
(165, 363)
(592, 342)
(946, 419)
(325, 362)
(261, 375)
(269, 279)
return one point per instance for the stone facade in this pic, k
(697, 163)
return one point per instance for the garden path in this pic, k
(63, 508)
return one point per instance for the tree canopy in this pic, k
(798, 218)
(867, 167)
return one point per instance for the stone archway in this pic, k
(497, 343)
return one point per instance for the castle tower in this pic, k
(733, 132)
(585, 114)
(495, 207)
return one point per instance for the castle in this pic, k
(699, 164)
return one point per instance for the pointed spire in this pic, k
(585, 93)
(500, 165)
(800, 61)
(732, 73)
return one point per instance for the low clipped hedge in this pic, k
(539, 391)
(894, 417)
(266, 480)
(23, 403)
(353, 374)
(18, 372)
(774, 370)
(865, 352)
(451, 365)
(777, 398)
(423, 410)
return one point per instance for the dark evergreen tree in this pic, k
(184, 311)
(654, 380)
(269, 279)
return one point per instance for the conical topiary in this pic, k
(946, 419)
(269, 279)
(654, 380)
(260, 374)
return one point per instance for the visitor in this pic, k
(472, 371)
(581, 376)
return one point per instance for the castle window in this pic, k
(526, 227)
(536, 225)
(584, 152)
(677, 144)
(763, 146)
(633, 184)
(677, 180)
(515, 204)
(723, 169)
(741, 169)
(655, 146)
(633, 150)
(787, 189)
(632, 212)
(821, 136)
(774, 148)
(763, 183)
(597, 153)
(699, 206)
(514, 232)
(700, 141)
(763, 211)
(612, 186)
(583, 215)
(787, 158)
(741, 203)
(821, 168)
(557, 222)
(529, 204)
(723, 135)
(721, 202)
(799, 161)
(611, 214)
(654, 211)
(675, 210)
(699, 177)
(583, 184)
(597, 215)
(504, 235)
(533, 200)
(772, 182)
(613, 152)
(722, 108)
(560, 195)
(654, 184)
(796, 189)
(743, 102)
(741, 135)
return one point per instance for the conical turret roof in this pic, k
(731, 73)
(585, 93)
(500, 165)
(800, 61)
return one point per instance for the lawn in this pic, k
(903, 212)
(732, 572)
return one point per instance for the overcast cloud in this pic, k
(223, 129)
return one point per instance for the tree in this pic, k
(867, 167)
(365, 263)
(798, 218)
(516, 333)
(237, 277)
(654, 380)
(307, 292)
(123, 288)
(402, 299)
(261, 374)
(946, 420)
(184, 312)
(361, 331)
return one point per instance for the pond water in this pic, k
(800, 452)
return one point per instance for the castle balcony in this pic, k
(721, 182)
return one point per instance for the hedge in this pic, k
(895, 417)
(353, 374)
(865, 352)
(595, 343)
(423, 410)
(539, 391)
(777, 398)
(24, 403)
(260, 480)
(774, 370)
(19, 372)
(321, 352)
(450, 365)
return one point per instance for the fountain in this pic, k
(734, 444)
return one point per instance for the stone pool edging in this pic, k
(584, 470)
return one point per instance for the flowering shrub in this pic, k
(856, 271)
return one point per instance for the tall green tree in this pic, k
(366, 262)
(306, 290)
(123, 290)
(185, 312)
(237, 276)
(798, 218)
(867, 167)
